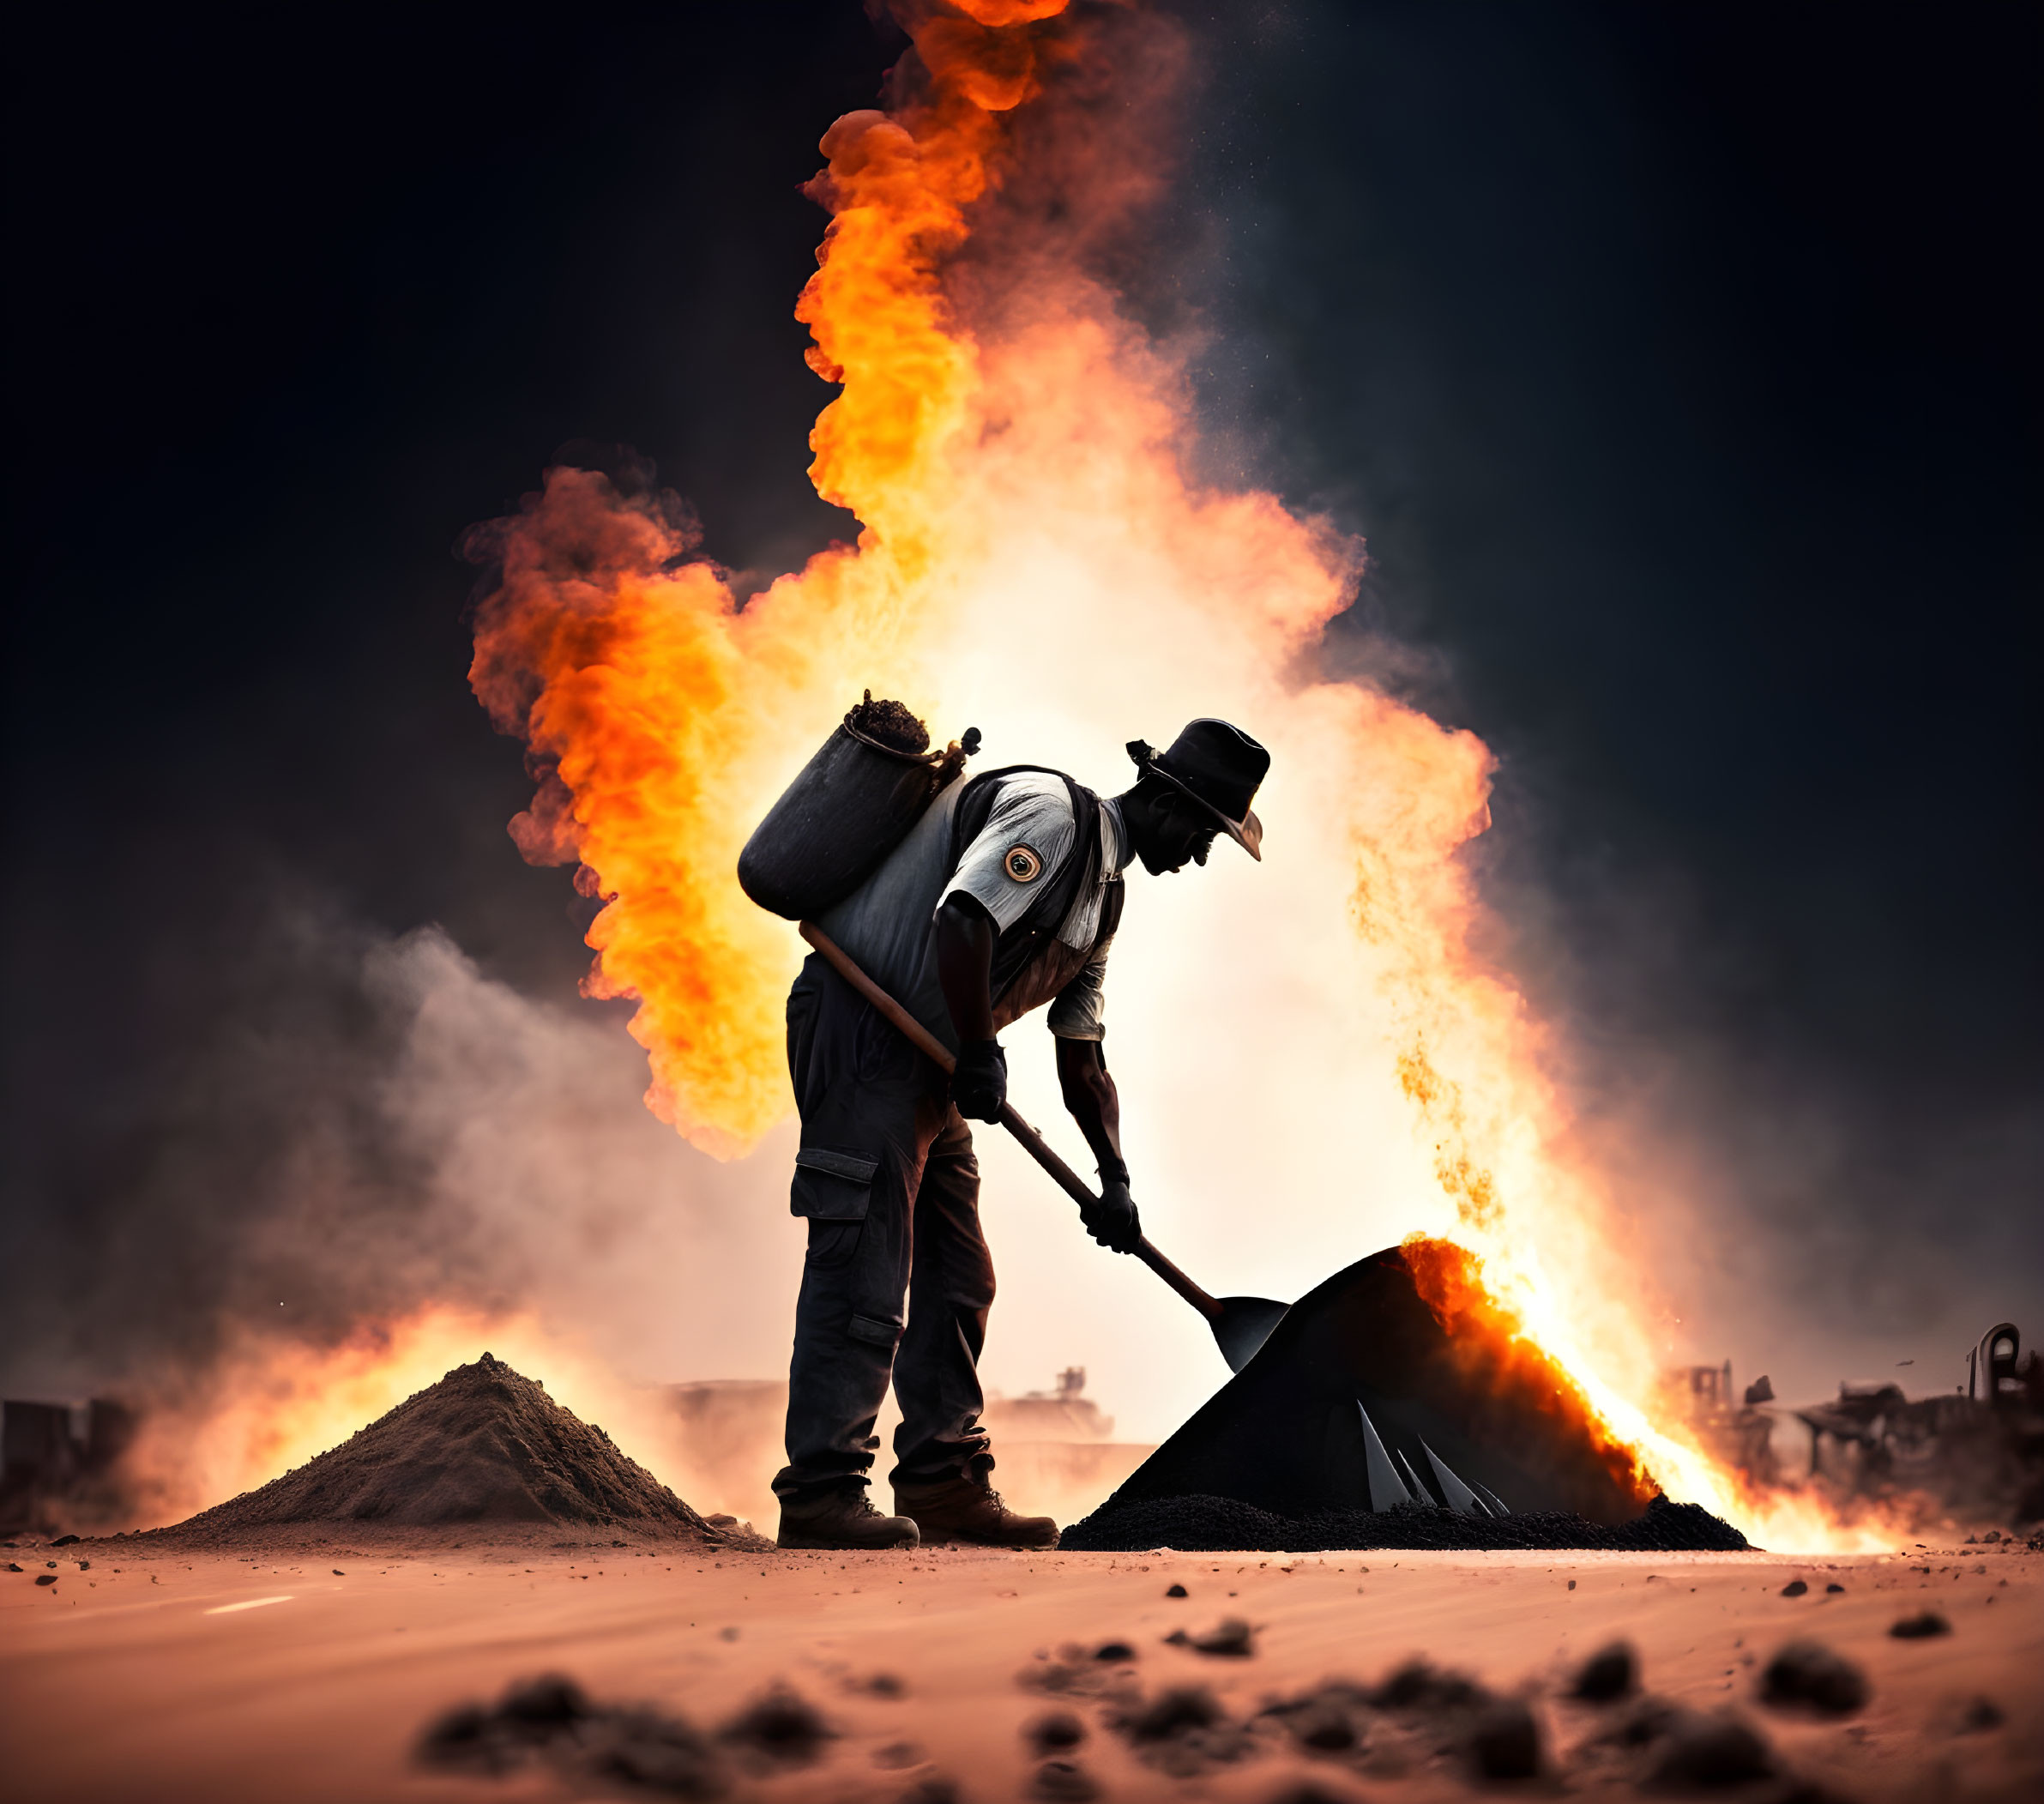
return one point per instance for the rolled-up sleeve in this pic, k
(1079, 1010)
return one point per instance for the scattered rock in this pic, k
(45, 1578)
(543, 1706)
(1325, 1731)
(1307, 1792)
(1610, 1673)
(1182, 1731)
(1834, 1588)
(781, 1728)
(1982, 1714)
(1505, 1743)
(1419, 1685)
(879, 1685)
(1808, 1674)
(654, 1752)
(14, 1567)
(1331, 1719)
(65, 1540)
(1114, 1653)
(1232, 1639)
(1054, 1730)
(630, 1748)
(934, 1788)
(1710, 1752)
(1794, 1588)
(1173, 1711)
(1177, 1591)
(550, 1715)
(1921, 1627)
(1065, 1780)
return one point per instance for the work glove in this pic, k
(1113, 1220)
(980, 1085)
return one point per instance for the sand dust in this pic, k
(969, 1675)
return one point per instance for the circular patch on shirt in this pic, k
(1021, 863)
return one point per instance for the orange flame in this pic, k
(1035, 558)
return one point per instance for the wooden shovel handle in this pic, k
(933, 1049)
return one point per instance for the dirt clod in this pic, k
(1182, 1731)
(1921, 1627)
(550, 1717)
(1710, 1752)
(1419, 1685)
(782, 1728)
(1232, 1639)
(1054, 1730)
(1505, 1742)
(1172, 1712)
(1609, 1674)
(1809, 1673)
(1982, 1714)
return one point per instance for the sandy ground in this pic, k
(166, 1676)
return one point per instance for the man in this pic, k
(1003, 897)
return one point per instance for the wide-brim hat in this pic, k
(1220, 767)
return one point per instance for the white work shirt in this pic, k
(1028, 839)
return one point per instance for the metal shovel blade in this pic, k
(1243, 1325)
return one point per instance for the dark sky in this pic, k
(1678, 362)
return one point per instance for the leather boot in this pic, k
(841, 1519)
(964, 1508)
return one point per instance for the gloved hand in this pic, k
(980, 1085)
(1113, 1220)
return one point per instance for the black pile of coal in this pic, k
(1365, 1380)
(1224, 1525)
(485, 1444)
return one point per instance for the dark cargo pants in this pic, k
(887, 1178)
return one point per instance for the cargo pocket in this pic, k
(832, 1186)
(832, 1243)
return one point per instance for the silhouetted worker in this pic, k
(1004, 896)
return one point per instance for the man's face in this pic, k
(1178, 832)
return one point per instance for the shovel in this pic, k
(1240, 1325)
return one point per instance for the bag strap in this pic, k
(1017, 946)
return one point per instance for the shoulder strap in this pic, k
(1020, 944)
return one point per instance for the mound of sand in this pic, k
(1226, 1522)
(485, 1445)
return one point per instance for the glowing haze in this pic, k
(1314, 1060)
